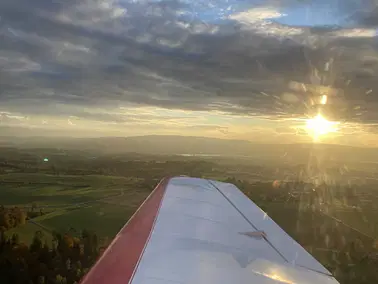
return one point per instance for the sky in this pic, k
(231, 69)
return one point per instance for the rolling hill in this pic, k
(171, 145)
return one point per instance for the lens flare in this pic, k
(323, 100)
(320, 126)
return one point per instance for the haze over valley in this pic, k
(99, 100)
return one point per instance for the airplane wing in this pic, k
(192, 230)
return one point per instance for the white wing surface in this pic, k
(197, 231)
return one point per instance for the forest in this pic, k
(63, 261)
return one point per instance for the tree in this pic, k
(68, 264)
(41, 280)
(19, 215)
(59, 279)
(2, 235)
(15, 239)
(36, 244)
(68, 240)
(45, 256)
(5, 219)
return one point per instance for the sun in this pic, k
(319, 126)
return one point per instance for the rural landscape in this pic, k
(61, 206)
(100, 100)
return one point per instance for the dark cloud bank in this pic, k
(171, 54)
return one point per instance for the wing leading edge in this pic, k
(192, 230)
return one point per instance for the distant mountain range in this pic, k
(168, 144)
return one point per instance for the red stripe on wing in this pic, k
(119, 262)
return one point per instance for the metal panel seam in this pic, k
(265, 238)
(237, 209)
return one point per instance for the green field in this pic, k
(26, 233)
(104, 219)
(49, 190)
(102, 204)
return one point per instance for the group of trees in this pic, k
(11, 217)
(65, 261)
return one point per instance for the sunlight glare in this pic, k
(323, 100)
(319, 126)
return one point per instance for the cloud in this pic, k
(71, 58)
